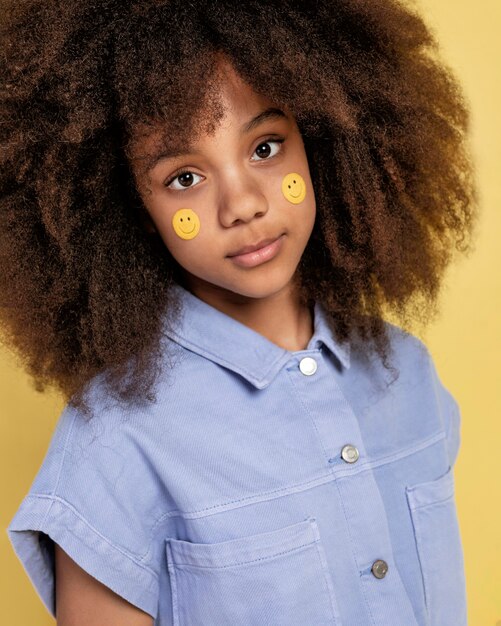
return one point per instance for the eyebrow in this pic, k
(269, 114)
(272, 113)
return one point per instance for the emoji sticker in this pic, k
(294, 188)
(186, 223)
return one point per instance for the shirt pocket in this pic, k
(278, 577)
(436, 530)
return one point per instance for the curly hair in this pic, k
(85, 290)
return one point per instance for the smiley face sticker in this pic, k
(186, 223)
(294, 188)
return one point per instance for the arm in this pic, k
(81, 600)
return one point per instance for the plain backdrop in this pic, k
(464, 340)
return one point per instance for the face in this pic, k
(242, 185)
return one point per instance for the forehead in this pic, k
(228, 96)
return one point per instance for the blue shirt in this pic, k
(264, 486)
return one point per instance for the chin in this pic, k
(261, 286)
(257, 283)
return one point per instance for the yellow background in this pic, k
(465, 341)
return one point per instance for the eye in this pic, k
(264, 151)
(185, 178)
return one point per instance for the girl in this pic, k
(207, 210)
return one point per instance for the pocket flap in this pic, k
(432, 492)
(245, 549)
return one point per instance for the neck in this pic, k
(280, 317)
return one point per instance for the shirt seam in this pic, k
(305, 408)
(448, 414)
(331, 475)
(131, 557)
(58, 478)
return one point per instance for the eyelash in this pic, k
(187, 171)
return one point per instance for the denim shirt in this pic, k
(263, 487)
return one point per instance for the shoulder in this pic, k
(411, 388)
(408, 360)
(407, 349)
(419, 370)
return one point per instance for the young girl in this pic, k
(207, 210)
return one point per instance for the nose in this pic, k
(241, 200)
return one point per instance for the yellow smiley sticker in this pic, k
(294, 188)
(186, 223)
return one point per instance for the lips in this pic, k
(253, 247)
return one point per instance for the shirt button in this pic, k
(350, 454)
(379, 568)
(308, 366)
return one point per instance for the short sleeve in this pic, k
(450, 413)
(95, 495)
(453, 426)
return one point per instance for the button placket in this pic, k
(357, 493)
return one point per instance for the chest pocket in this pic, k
(272, 578)
(436, 530)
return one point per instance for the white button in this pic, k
(350, 454)
(308, 366)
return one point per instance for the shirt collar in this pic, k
(205, 330)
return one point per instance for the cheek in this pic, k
(186, 224)
(186, 232)
(304, 214)
(176, 226)
(300, 208)
(191, 252)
